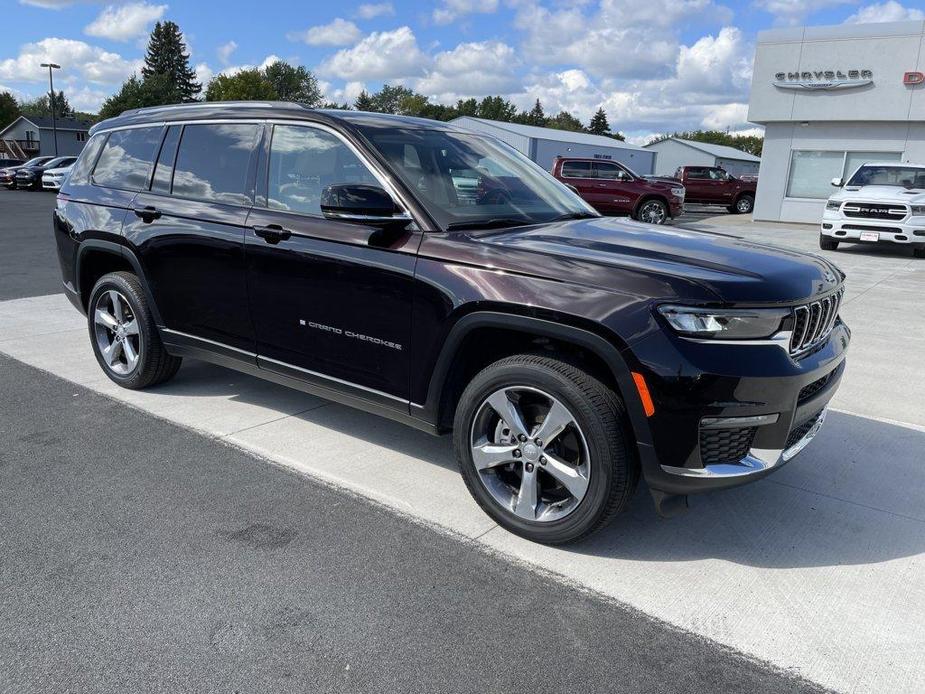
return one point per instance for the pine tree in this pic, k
(9, 109)
(535, 116)
(599, 124)
(167, 56)
(364, 102)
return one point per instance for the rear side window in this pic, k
(80, 174)
(126, 159)
(576, 169)
(213, 162)
(697, 173)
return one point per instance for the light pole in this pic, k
(51, 102)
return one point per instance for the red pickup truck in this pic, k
(710, 185)
(613, 189)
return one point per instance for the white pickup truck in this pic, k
(880, 203)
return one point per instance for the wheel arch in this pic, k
(651, 196)
(466, 351)
(97, 257)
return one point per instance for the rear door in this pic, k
(188, 232)
(331, 300)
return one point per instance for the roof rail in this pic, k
(213, 104)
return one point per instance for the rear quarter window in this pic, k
(127, 158)
(80, 174)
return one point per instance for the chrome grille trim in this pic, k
(874, 210)
(813, 322)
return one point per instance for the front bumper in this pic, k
(676, 206)
(49, 183)
(727, 414)
(25, 181)
(910, 230)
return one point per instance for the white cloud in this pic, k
(347, 94)
(450, 10)
(204, 73)
(87, 99)
(372, 10)
(76, 58)
(796, 11)
(383, 55)
(340, 32)
(123, 22)
(471, 69)
(225, 50)
(890, 11)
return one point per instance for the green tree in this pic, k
(389, 98)
(467, 107)
(155, 90)
(599, 124)
(41, 106)
(565, 121)
(497, 108)
(9, 109)
(535, 116)
(166, 55)
(293, 83)
(245, 85)
(364, 102)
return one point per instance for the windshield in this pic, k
(472, 181)
(36, 161)
(901, 176)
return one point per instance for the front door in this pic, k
(615, 187)
(330, 300)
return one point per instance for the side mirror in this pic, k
(837, 182)
(361, 203)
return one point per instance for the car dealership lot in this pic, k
(818, 569)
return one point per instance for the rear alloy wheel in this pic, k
(124, 336)
(543, 448)
(652, 212)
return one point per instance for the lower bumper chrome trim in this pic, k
(758, 459)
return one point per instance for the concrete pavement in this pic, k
(818, 569)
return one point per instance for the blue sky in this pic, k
(654, 65)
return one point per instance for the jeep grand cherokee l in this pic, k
(335, 252)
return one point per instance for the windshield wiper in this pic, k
(574, 215)
(493, 223)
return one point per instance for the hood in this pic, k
(732, 269)
(59, 170)
(895, 194)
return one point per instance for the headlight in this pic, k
(678, 192)
(833, 205)
(725, 324)
(918, 210)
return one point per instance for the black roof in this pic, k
(61, 123)
(263, 109)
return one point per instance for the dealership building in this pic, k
(831, 98)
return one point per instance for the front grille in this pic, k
(809, 391)
(874, 210)
(725, 445)
(870, 227)
(813, 322)
(799, 432)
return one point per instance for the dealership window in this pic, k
(811, 172)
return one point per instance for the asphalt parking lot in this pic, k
(227, 531)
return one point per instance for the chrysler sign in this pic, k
(823, 79)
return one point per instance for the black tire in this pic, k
(652, 211)
(154, 365)
(597, 410)
(918, 252)
(827, 243)
(744, 204)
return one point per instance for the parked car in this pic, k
(30, 175)
(880, 203)
(570, 354)
(7, 163)
(52, 179)
(612, 189)
(711, 185)
(8, 174)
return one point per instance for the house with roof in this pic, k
(674, 152)
(33, 136)
(543, 145)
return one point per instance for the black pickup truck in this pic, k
(439, 278)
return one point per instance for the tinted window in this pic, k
(213, 162)
(303, 162)
(576, 169)
(163, 172)
(80, 174)
(718, 174)
(126, 159)
(697, 173)
(611, 172)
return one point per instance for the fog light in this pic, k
(826, 226)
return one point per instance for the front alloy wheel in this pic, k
(653, 212)
(530, 453)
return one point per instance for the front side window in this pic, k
(213, 162)
(126, 159)
(609, 172)
(719, 175)
(303, 162)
